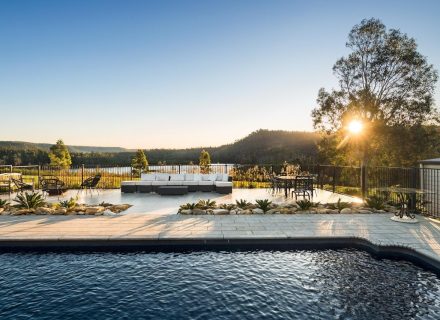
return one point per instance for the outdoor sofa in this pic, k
(152, 182)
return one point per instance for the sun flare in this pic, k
(355, 126)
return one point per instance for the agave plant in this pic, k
(206, 204)
(263, 204)
(68, 203)
(227, 206)
(3, 203)
(29, 200)
(375, 202)
(340, 205)
(304, 204)
(242, 204)
(188, 206)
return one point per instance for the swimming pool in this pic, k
(215, 285)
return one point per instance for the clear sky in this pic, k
(178, 73)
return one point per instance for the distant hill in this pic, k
(21, 145)
(261, 146)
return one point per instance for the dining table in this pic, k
(288, 181)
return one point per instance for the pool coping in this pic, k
(399, 252)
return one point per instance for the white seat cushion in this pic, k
(159, 183)
(175, 183)
(223, 184)
(129, 183)
(144, 183)
(206, 183)
(190, 183)
(148, 177)
(162, 177)
(177, 177)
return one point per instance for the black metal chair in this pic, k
(22, 186)
(303, 186)
(90, 183)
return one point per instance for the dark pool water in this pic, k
(342, 284)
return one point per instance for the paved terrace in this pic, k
(424, 237)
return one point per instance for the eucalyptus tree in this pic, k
(384, 81)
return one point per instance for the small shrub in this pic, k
(304, 204)
(188, 206)
(3, 203)
(68, 203)
(206, 204)
(226, 206)
(339, 205)
(375, 202)
(29, 200)
(263, 204)
(105, 204)
(242, 204)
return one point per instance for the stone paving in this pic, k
(377, 228)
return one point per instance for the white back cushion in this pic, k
(206, 177)
(148, 177)
(177, 177)
(225, 177)
(162, 177)
(189, 177)
(197, 177)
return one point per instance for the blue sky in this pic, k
(178, 73)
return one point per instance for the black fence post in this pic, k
(413, 184)
(363, 181)
(334, 179)
(82, 173)
(38, 176)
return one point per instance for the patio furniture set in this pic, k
(179, 184)
(296, 185)
(49, 185)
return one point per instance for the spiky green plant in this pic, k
(206, 204)
(242, 203)
(375, 202)
(227, 206)
(31, 200)
(339, 205)
(304, 204)
(68, 203)
(263, 204)
(188, 206)
(4, 203)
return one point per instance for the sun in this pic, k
(355, 126)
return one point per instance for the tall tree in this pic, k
(204, 161)
(59, 155)
(384, 82)
(139, 161)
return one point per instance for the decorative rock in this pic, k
(198, 211)
(186, 211)
(247, 211)
(22, 212)
(59, 211)
(273, 211)
(109, 213)
(44, 210)
(380, 211)
(94, 210)
(364, 211)
(257, 211)
(333, 211)
(119, 207)
(80, 208)
(220, 211)
(2, 209)
(346, 210)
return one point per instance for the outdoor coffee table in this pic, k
(172, 190)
